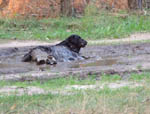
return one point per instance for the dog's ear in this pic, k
(74, 39)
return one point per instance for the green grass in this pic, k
(62, 82)
(141, 76)
(96, 26)
(51, 84)
(90, 101)
(90, 80)
(105, 101)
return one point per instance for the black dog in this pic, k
(74, 43)
(66, 50)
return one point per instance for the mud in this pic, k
(109, 59)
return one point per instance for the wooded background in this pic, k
(55, 8)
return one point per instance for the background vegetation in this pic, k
(92, 25)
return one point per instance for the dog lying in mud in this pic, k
(65, 51)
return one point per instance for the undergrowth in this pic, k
(89, 26)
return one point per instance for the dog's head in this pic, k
(75, 42)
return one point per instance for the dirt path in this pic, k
(17, 43)
(132, 38)
(110, 59)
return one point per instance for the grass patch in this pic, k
(110, 78)
(51, 84)
(62, 82)
(116, 101)
(140, 76)
(96, 101)
(96, 26)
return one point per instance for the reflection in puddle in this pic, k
(106, 62)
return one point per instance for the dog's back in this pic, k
(63, 54)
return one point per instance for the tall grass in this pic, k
(120, 101)
(124, 100)
(92, 25)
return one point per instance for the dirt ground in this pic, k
(110, 59)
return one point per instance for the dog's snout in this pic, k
(84, 43)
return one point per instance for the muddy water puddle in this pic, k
(11, 64)
(104, 62)
(102, 57)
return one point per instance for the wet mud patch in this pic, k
(109, 59)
